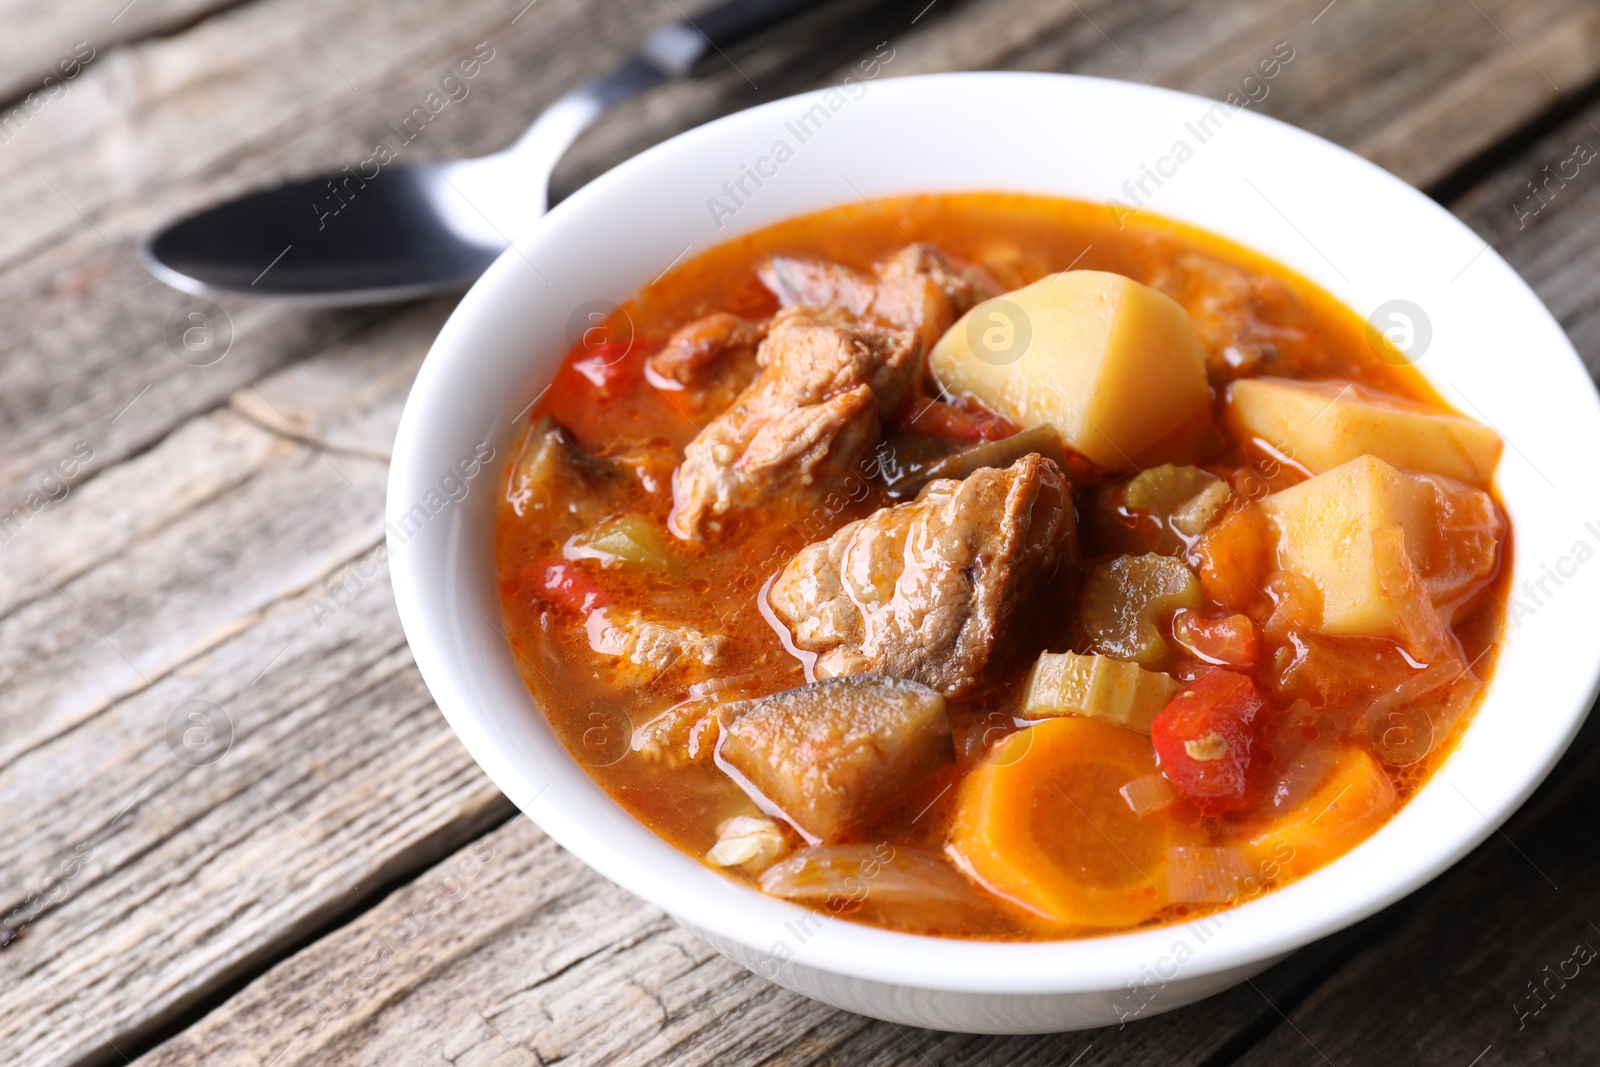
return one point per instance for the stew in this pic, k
(974, 566)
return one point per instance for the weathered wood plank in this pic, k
(142, 882)
(106, 515)
(84, 309)
(512, 952)
(189, 584)
(1454, 978)
(152, 130)
(40, 41)
(349, 397)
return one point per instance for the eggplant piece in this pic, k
(912, 476)
(552, 469)
(831, 754)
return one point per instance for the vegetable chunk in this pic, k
(1096, 686)
(835, 752)
(1323, 424)
(1125, 600)
(1354, 801)
(1044, 826)
(1325, 532)
(1204, 737)
(1112, 364)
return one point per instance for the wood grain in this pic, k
(348, 398)
(1545, 224)
(40, 36)
(189, 584)
(145, 882)
(193, 535)
(512, 952)
(1452, 980)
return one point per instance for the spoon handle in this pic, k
(671, 51)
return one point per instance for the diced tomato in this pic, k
(1226, 641)
(565, 585)
(606, 367)
(1203, 739)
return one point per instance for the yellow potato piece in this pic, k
(1320, 425)
(1325, 527)
(1113, 365)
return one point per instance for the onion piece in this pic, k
(1205, 875)
(882, 873)
(1422, 631)
(748, 841)
(1149, 794)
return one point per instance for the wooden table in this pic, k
(327, 877)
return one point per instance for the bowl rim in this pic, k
(586, 822)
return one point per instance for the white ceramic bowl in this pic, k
(1360, 233)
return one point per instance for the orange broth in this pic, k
(715, 585)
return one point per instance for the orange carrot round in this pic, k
(1041, 823)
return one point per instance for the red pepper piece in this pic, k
(1203, 739)
(566, 586)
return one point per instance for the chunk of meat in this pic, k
(931, 589)
(918, 288)
(811, 416)
(1249, 323)
(647, 648)
(832, 754)
(963, 282)
(749, 842)
(844, 352)
(707, 345)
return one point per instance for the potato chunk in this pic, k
(834, 752)
(1115, 366)
(1323, 424)
(1325, 530)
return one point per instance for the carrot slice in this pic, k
(1040, 823)
(1356, 799)
(1234, 557)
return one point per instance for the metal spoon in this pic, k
(411, 230)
